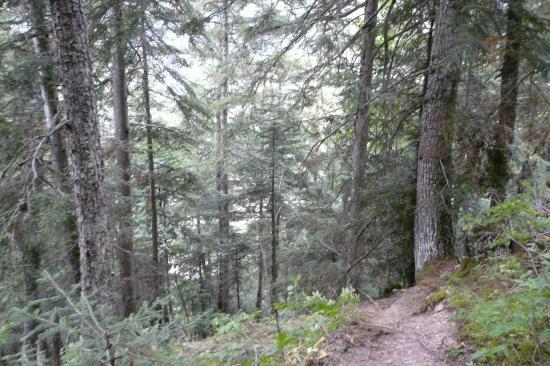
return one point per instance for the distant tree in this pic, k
(503, 133)
(124, 237)
(222, 180)
(145, 90)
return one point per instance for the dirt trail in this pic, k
(395, 331)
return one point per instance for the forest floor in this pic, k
(489, 310)
(410, 328)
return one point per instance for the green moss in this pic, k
(466, 268)
(436, 297)
(461, 299)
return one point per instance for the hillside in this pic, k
(274, 182)
(492, 311)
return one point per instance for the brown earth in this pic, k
(400, 330)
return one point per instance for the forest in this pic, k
(274, 182)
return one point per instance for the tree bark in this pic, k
(503, 133)
(124, 238)
(222, 177)
(87, 166)
(433, 215)
(357, 194)
(48, 92)
(429, 43)
(47, 79)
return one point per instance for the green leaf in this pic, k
(284, 340)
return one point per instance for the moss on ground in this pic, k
(436, 297)
(504, 310)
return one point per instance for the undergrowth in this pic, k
(503, 300)
(247, 339)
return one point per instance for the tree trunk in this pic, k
(87, 166)
(48, 91)
(124, 237)
(503, 133)
(204, 299)
(31, 260)
(409, 272)
(357, 194)
(429, 43)
(222, 178)
(223, 212)
(57, 345)
(433, 216)
(150, 164)
(260, 233)
(41, 43)
(275, 221)
(237, 278)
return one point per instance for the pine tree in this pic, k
(503, 133)
(361, 134)
(433, 218)
(86, 155)
(120, 113)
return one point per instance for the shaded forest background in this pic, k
(225, 155)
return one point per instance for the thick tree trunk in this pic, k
(433, 216)
(409, 272)
(429, 43)
(357, 194)
(260, 232)
(222, 178)
(503, 133)
(150, 164)
(87, 166)
(124, 236)
(41, 43)
(48, 92)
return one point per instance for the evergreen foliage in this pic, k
(242, 127)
